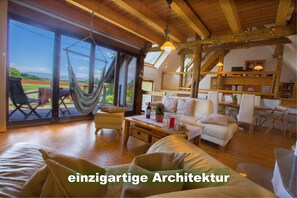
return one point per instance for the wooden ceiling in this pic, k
(190, 19)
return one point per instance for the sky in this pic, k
(31, 51)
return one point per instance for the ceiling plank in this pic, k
(138, 9)
(282, 12)
(116, 19)
(262, 34)
(230, 11)
(62, 11)
(186, 13)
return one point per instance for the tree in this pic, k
(14, 72)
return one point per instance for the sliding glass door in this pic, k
(38, 73)
(31, 52)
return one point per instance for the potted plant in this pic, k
(234, 99)
(159, 111)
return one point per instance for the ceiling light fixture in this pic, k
(168, 46)
(258, 67)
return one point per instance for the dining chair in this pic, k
(214, 97)
(277, 115)
(246, 113)
(257, 113)
(232, 112)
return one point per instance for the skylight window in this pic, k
(152, 57)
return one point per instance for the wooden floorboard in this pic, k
(78, 139)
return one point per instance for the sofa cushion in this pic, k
(191, 120)
(168, 163)
(185, 106)
(221, 191)
(201, 107)
(216, 119)
(17, 163)
(200, 159)
(217, 131)
(170, 104)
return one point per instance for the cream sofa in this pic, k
(19, 161)
(217, 134)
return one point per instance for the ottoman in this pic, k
(109, 120)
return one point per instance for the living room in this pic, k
(112, 50)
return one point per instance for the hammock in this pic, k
(84, 102)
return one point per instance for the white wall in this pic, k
(237, 58)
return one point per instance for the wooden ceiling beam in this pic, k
(230, 11)
(62, 11)
(231, 46)
(282, 12)
(262, 34)
(116, 19)
(138, 9)
(186, 13)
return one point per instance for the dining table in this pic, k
(256, 107)
(45, 96)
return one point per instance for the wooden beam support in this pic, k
(278, 51)
(279, 65)
(282, 12)
(116, 19)
(138, 9)
(230, 11)
(182, 67)
(3, 57)
(268, 33)
(230, 46)
(196, 71)
(186, 13)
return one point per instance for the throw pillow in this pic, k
(112, 109)
(33, 187)
(151, 164)
(57, 184)
(170, 104)
(215, 119)
(185, 106)
(79, 165)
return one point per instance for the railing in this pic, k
(227, 79)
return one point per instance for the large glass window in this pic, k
(31, 86)
(147, 85)
(30, 70)
(127, 81)
(107, 97)
(79, 56)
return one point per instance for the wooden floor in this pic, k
(78, 139)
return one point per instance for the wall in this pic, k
(236, 58)
(3, 46)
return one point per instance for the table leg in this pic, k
(197, 140)
(63, 103)
(126, 131)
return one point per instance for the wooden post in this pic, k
(182, 67)
(278, 70)
(162, 80)
(3, 57)
(139, 77)
(196, 71)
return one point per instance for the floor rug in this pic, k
(257, 173)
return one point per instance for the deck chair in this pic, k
(19, 98)
(276, 115)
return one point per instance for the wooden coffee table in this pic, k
(136, 126)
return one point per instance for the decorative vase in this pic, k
(159, 118)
